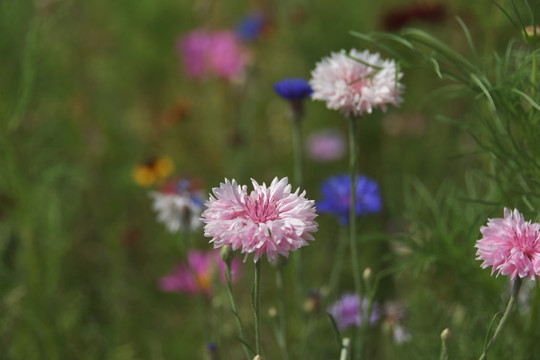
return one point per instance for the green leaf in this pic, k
(527, 98)
(481, 85)
(335, 328)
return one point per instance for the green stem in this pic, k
(353, 137)
(534, 76)
(298, 148)
(337, 264)
(345, 349)
(297, 115)
(282, 314)
(256, 310)
(370, 296)
(506, 315)
(444, 347)
(249, 354)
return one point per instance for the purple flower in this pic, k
(293, 89)
(511, 246)
(336, 197)
(270, 220)
(347, 312)
(326, 145)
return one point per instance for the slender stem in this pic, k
(239, 326)
(298, 148)
(444, 347)
(256, 291)
(353, 130)
(534, 76)
(345, 348)
(282, 314)
(297, 115)
(506, 315)
(370, 298)
(337, 264)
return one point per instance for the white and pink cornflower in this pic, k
(198, 274)
(179, 205)
(213, 53)
(511, 246)
(356, 82)
(270, 220)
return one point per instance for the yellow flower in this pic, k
(153, 171)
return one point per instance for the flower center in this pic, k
(260, 209)
(204, 281)
(356, 85)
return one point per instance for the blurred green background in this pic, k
(91, 89)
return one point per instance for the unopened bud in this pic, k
(272, 312)
(445, 334)
(531, 34)
(227, 254)
(366, 275)
(258, 357)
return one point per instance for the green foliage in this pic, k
(85, 88)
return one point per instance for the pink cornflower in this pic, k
(511, 246)
(270, 220)
(217, 53)
(356, 82)
(198, 274)
(326, 145)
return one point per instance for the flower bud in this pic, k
(531, 34)
(445, 334)
(227, 254)
(366, 275)
(272, 312)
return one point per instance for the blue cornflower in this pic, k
(251, 27)
(336, 197)
(293, 89)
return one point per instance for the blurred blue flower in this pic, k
(336, 197)
(251, 27)
(293, 89)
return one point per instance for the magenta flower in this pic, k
(511, 246)
(270, 220)
(217, 53)
(198, 274)
(356, 82)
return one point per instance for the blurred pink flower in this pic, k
(326, 145)
(198, 274)
(270, 220)
(218, 53)
(511, 246)
(356, 82)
